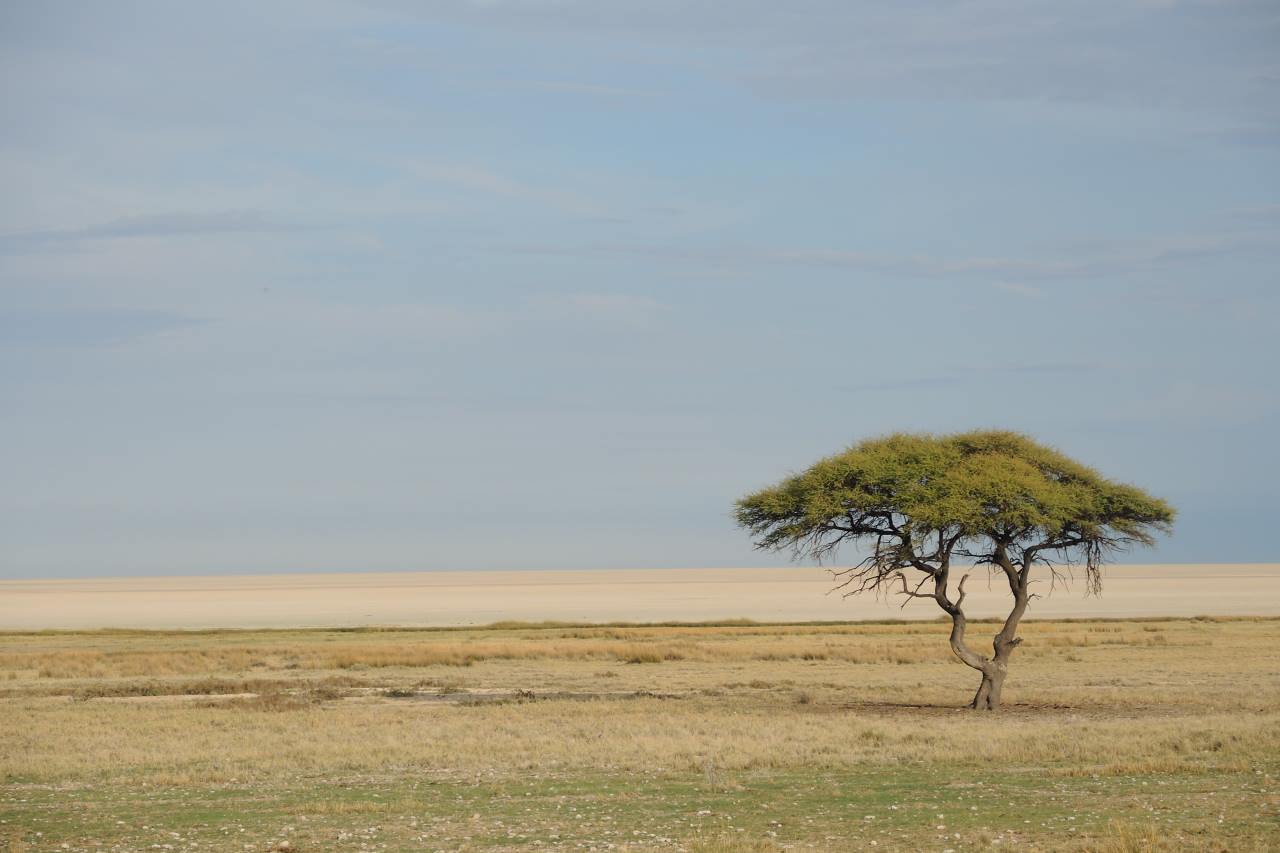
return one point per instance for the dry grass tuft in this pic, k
(1124, 837)
(734, 844)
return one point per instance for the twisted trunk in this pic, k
(994, 669)
(988, 695)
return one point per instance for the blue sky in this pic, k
(502, 284)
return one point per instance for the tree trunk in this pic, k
(988, 695)
(995, 668)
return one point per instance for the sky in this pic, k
(308, 286)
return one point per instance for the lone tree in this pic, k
(918, 502)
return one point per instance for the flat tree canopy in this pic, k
(991, 498)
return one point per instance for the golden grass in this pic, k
(1129, 838)
(115, 654)
(300, 717)
(238, 741)
(1085, 698)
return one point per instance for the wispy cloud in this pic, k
(1100, 258)
(152, 225)
(487, 182)
(963, 376)
(1251, 137)
(1018, 288)
(571, 87)
(1265, 213)
(1129, 52)
(596, 308)
(88, 328)
(1189, 402)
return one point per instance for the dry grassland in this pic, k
(1131, 735)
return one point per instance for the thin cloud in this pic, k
(1127, 53)
(637, 312)
(1266, 213)
(1250, 137)
(1018, 288)
(918, 384)
(971, 374)
(1102, 259)
(88, 328)
(491, 183)
(573, 88)
(154, 225)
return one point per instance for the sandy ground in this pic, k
(476, 598)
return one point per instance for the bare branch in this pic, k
(909, 593)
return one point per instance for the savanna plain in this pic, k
(1118, 735)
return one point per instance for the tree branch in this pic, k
(912, 594)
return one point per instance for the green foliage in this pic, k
(981, 490)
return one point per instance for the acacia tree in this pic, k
(916, 503)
